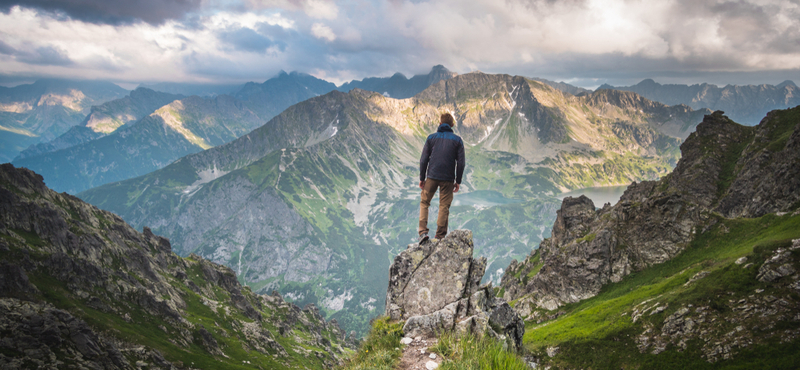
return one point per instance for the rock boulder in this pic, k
(435, 287)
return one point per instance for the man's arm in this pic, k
(460, 163)
(423, 161)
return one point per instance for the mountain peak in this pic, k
(605, 87)
(648, 82)
(398, 76)
(786, 83)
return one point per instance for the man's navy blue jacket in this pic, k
(442, 156)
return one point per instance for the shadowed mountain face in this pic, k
(79, 286)
(398, 86)
(747, 104)
(313, 202)
(42, 111)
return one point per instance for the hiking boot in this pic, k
(423, 238)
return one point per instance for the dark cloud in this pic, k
(45, 55)
(6, 48)
(111, 11)
(247, 39)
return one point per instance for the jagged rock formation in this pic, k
(746, 104)
(435, 288)
(735, 170)
(79, 287)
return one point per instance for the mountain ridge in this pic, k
(41, 111)
(399, 86)
(105, 119)
(743, 103)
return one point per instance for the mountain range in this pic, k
(747, 104)
(312, 202)
(32, 113)
(399, 86)
(192, 123)
(105, 119)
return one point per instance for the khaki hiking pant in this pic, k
(445, 198)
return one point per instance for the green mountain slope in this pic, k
(312, 202)
(710, 307)
(80, 288)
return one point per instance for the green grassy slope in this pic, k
(600, 332)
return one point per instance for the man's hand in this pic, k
(422, 185)
(455, 189)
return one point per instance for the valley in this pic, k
(313, 202)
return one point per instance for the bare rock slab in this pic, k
(426, 278)
(435, 288)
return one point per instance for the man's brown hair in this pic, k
(448, 119)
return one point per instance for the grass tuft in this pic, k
(473, 353)
(380, 351)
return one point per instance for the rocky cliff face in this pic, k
(746, 104)
(79, 287)
(435, 288)
(734, 170)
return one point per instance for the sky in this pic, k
(583, 42)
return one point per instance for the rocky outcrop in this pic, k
(734, 170)
(78, 286)
(435, 288)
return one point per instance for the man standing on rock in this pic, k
(443, 161)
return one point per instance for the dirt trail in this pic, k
(416, 355)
